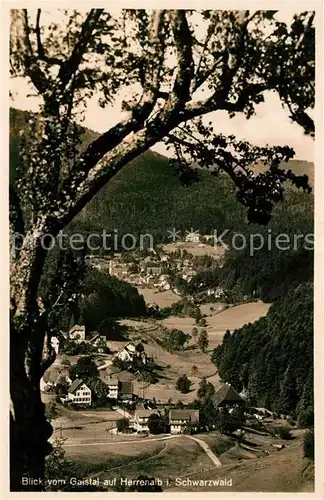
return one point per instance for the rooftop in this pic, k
(227, 393)
(126, 387)
(75, 385)
(146, 413)
(190, 415)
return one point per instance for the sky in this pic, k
(270, 126)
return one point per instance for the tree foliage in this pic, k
(203, 340)
(85, 369)
(273, 357)
(183, 384)
(175, 340)
(309, 446)
(122, 425)
(157, 424)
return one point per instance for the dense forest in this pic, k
(273, 358)
(101, 297)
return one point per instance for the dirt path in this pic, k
(207, 450)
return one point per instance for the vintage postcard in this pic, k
(161, 203)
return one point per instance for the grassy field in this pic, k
(170, 459)
(181, 458)
(195, 249)
(172, 365)
(282, 471)
(161, 299)
(220, 320)
(178, 363)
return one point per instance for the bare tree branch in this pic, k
(32, 69)
(41, 52)
(153, 68)
(218, 102)
(70, 66)
(183, 44)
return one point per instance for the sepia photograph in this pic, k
(161, 206)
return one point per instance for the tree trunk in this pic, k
(29, 430)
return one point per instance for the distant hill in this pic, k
(146, 196)
(298, 167)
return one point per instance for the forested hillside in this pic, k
(101, 297)
(148, 197)
(273, 357)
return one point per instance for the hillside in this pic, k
(146, 196)
(273, 357)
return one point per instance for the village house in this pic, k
(227, 397)
(141, 419)
(193, 237)
(180, 419)
(98, 341)
(208, 237)
(79, 393)
(125, 392)
(130, 352)
(116, 268)
(188, 274)
(127, 353)
(112, 384)
(154, 270)
(77, 333)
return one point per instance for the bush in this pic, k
(122, 425)
(309, 445)
(283, 432)
(175, 340)
(51, 411)
(149, 377)
(157, 424)
(183, 384)
(306, 418)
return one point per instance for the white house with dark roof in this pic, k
(112, 386)
(180, 419)
(227, 396)
(55, 343)
(141, 419)
(130, 352)
(79, 393)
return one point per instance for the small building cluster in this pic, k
(81, 394)
(130, 352)
(178, 420)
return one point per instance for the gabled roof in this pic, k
(146, 413)
(189, 414)
(111, 380)
(75, 385)
(227, 393)
(126, 387)
(130, 348)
